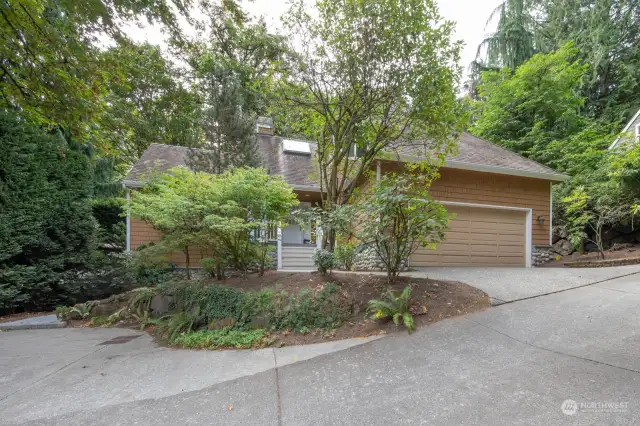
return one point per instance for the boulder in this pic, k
(559, 233)
(110, 305)
(563, 247)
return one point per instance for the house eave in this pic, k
(626, 128)
(128, 183)
(555, 177)
(461, 165)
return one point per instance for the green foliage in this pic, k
(80, 311)
(150, 265)
(52, 70)
(309, 310)
(146, 102)
(325, 260)
(583, 212)
(514, 40)
(218, 213)
(399, 217)
(395, 306)
(47, 232)
(345, 255)
(209, 265)
(540, 103)
(602, 33)
(223, 338)
(401, 88)
(140, 303)
(176, 324)
(336, 221)
(101, 321)
(210, 302)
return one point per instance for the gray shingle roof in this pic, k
(477, 151)
(298, 169)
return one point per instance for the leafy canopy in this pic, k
(540, 103)
(366, 76)
(399, 216)
(219, 213)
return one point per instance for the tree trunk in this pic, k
(219, 272)
(186, 253)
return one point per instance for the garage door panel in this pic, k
(478, 236)
(483, 248)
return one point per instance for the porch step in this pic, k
(297, 258)
(299, 268)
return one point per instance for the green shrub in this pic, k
(256, 304)
(80, 311)
(101, 321)
(308, 310)
(396, 307)
(223, 338)
(324, 260)
(47, 230)
(141, 301)
(345, 255)
(212, 302)
(177, 323)
(150, 265)
(208, 265)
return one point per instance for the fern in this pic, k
(177, 324)
(395, 307)
(141, 301)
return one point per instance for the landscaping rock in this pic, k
(259, 322)
(222, 323)
(559, 233)
(112, 304)
(563, 247)
(160, 304)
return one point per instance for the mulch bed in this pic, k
(433, 300)
(442, 299)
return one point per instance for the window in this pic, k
(637, 132)
(297, 147)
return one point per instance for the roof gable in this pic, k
(630, 127)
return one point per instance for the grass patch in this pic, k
(227, 337)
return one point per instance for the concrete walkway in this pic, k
(34, 323)
(46, 373)
(513, 364)
(509, 284)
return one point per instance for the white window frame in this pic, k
(638, 132)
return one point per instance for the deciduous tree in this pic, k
(373, 75)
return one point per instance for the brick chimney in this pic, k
(264, 126)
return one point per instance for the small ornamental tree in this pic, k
(221, 214)
(586, 213)
(399, 217)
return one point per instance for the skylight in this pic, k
(297, 147)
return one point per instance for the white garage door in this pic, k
(479, 237)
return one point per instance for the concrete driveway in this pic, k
(512, 364)
(509, 284)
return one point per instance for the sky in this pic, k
(470, 17)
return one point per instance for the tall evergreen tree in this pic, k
(47, 231)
